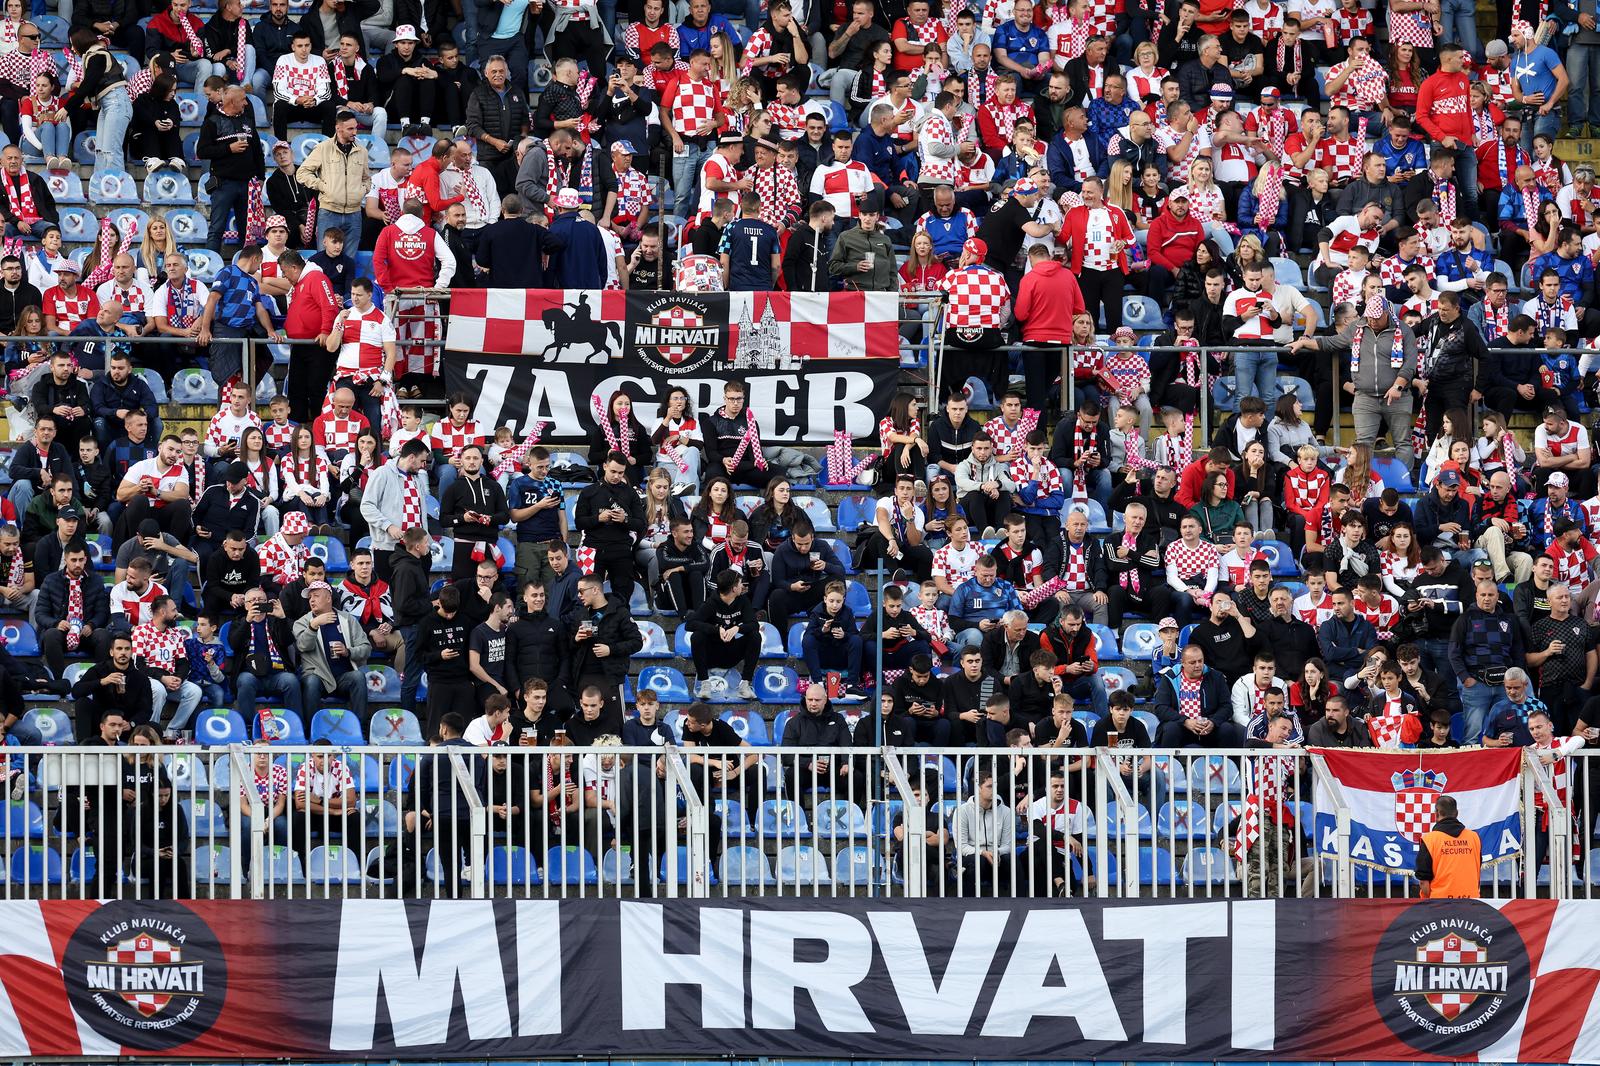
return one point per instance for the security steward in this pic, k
(1451, 857)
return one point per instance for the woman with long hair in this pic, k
(677, 441)
(1257, 483)
(1357, 473)
(617, 430)
(1248, 253)
(937, 510)
(725, 65)
(1546, 232)
(1190, 283)
(358, 464)
(661, 510)
(1308, 696)
(900, 436)
(307, 480)
(154, 247)
(1497, 448)
(1207, 203)
(1289, 431)
(28, 360)
(1401, 557)
(1552, 173)
(872, 82)
(262, 475)
(1405, 78)
(1459, 459)
(105, 85)
(922, 271)
(715, 512)
(772, 521)
(1454, 425)
(1149, 197)
(1216, 512)
(1119, 192)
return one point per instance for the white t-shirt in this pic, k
(1048, 212)
(1575, 440)
(166, 477)
(886, 509)
(481, 734)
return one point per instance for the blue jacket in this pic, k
(972, 603)
(107, 398)
(1577, 275)
(1058, 160)
(1345, 644)
(690, 38)
(1508, 717)
(581, 261)
(1511, 205)
(1535, 510)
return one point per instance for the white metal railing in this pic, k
(279, 822)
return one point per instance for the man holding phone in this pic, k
(264, 656)
(610, 514)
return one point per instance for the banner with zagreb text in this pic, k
(372, 979)
(1391, 796)
(812, 363)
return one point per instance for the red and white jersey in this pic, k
(135, 606)
(979, 172)
(1573, 439)
(163, 478)
(329, 431)
(841, 183)
(1347, 285)
(694, 104)
(1316, 611)
(1030, 562)
(979, 298)
(1250, 308)
(1206, 203)
(1393, 270)
(1233, 163)
(1348, 25)
(1277, 126)
(937, 130)
(449, 438)
(1411, 27)
(1266, 20)
(1366, 87)
(226, 428)
(278, 436)
(1422, 305)
(1572, 566)
(955, 564)
(1236, 566)
(70, 310)
(135, 299)
(1560, 773)
(159, 649)
(1340, 157)
(1099, 239)
(281, 560)
(1142, 86)
(1345, 233)
(715, 168)
(1069, 38)
(1383, 614)
(361, 356)
(292, 78)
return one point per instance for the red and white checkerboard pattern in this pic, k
(1451, 951)
(979, 298)
(1341, 158)
(143, 950)
(1413, 811)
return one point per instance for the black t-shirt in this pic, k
(491, 645)
(1241, 52)
(1133, 735)
(1001, 229)
(1227, 648)
(706, 239)
(750, 245)
(646, 275)
(722, 736)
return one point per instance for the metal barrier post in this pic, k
(477, 822)
(699, 827)
(239, 766)
(1127, 821)
(1343, 869)
(1537, 784)
(914, 870)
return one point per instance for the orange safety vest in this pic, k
(1457, 862)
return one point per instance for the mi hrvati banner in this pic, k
(1311, 980)
(1391, 799)
(812, 363)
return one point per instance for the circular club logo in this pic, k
(1450, 977)
(677, 334)
(146, 976)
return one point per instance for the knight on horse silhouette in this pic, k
(578, 329)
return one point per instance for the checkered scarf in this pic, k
(1271, 196)
(1377, 307)
(1387, 725)
(16, 567)
(1444, 194)
(619, 436)
(843, 466)
(308, 228)
(1283, 54)
(1265, 800)
(750, 442)
(239, 45)
(511, 458)
(1530, 206)
(1075, 558)
(139, 84)
(255, 213)
(411, 509)
(1551, 316)
(19, 195)
(74, 610)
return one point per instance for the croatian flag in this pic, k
(1391, 798)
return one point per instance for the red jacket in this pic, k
(407, 255)
(426, 178)
(1047, 300)
(312, 306)
(1077, 222)
(1444, 107)
(1193, 479)
(1170, 242)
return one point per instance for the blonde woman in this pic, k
(1119, 192)
(724, 64)
(1144, 80)
(154, 247)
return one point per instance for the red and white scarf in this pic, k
(1129, 578)
(19, 196)
(510, 460)
(1530, 206)
(239, 46)
(255, 214)
(1444, 194)
(1397, 348)
(619, 438)
(750, 442)
(74, 610)
(16, 567)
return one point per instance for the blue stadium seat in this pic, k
(52, 31)
(168, 187)
(780, 721)
(797, 632)
(194, 386)
(188, 771)
(101, 554)
(655, 642)
(771, 642)
(800, 864)
(1105, 643)
(331, 864)
(383, 818)
(838, 819)
(616, 867)
(1287, 272)
(393, 726)
(20, 639)
(205, 265)
(331, 551)
(67, 188)
(24, 820)
(750, 725)
(639, 603)
(35, 864)
(1093, 511)
(1394, 474)
(1141, 313)
(1206, 866)
(401, 771)
(679, 858)
(817, 510)
(377, 151)
(191, 108)
(667, 683)
(383, 684)
(436, 871)
(1114, 827)
(1280, 555)
(84, 866)
(83, 148)
(1182, 819)
(680, 642)
(1155, 867)
(884, 816)
(206, 818)
(570, 865)
(1118, 677)
(338, 725)
(53, 725)
(187, 225)
(218, 726)
(78, 224)
(1215, 776)
(1150, 722)
(1141, 641)
(281, 727)
(841, 552)
(857, 599)
(152, 380)
(746, 867)
(859, 866)
(855, 511)
(303, 143)
(283, 866)
(113, 188)
(784, 818)
(367, 773)
(776, 685)
(513, 866)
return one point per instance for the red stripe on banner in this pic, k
(613, 305)
(469, 303)
(1466, 770)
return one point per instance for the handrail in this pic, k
(915, 867)
(1536, 780)
(1343, 867)
(1127, 818)
(699, 842)
(477, 821)
(258, 827)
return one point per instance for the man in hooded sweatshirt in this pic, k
(1048, 299)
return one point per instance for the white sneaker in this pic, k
(19, 786)
(746, 692)
(151, 163)
(702, 691)
(178, 163)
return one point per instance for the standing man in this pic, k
(497, 114)
(1383, 362)
(1444, 110)
(610, 515)
(313, 308)
(228, 138)
(337, 170)
(1450, 860)
(395, 501)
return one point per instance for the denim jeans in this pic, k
(196, 71)
(55, 138)
(1476, 700)
(229, 197)
(348, 221)
(1583, 67)
(352, 686)
(821, 658)
(1255, 373)
(283, 684)
(413, 675)
(111, 130)
(1549, 125)
(515, 51)
(1093, 689)
(21, 495)
(686, 177)
(1460, 20)
(376, 120)
(187, 696)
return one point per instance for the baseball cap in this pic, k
(238, 471)
(1448, 477)
(625, 147)
(1558, 478)
(149, 528)
(319, 586)
(1271, 92)
(70, 513)
(1168, 622)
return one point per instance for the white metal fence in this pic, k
(240, 822)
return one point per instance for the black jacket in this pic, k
(538, 648)
(437, 634)
(717, 614)
(488, 114)
(217, 132)
(613, 628)
(47, 395)
(241, 653)
(51, 607)
(409, 588)
(595, 499)
(483, 495)
(805, 262)
(789, 566)
(994, 650)
(44, 205)
(225, 579)
(27, 466)
(825, 730)
(1449, 354)
(135, 702)
(218, 514)
(24, 295)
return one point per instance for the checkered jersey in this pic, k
(361, 356)
(1192, 562)
(1410, 27)
(282, 561)
(667, 32)
(1382, 614)
(160, 649)
(693, 105)
(449, 438)
(978, 298)
(326, 784)
(779, 190)
(1499, 83)
(70, 310)
(790, 120)
(226, 428)
(1205, 202)
(135, 299)
(759, 46)
(1341, 158)
(279, 436)
(1349, 25)
(1392, 270)
(955, 564)
(331, 431)
(1347, 285)
(937, 130)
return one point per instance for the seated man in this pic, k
(723, 633)
(157, 488)
(333, 653)
(1194, 707)
(262, 653)
(324, 801)
(158, 646)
